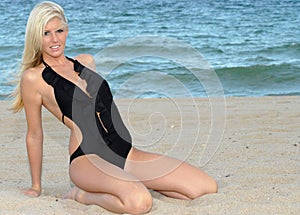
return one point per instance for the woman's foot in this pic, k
(72, 193)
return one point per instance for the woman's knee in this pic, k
(210, 186)
(213, 186)
(138, 202)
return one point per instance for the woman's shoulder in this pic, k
(87, 60)
(31, 75)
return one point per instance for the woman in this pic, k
(104, 167)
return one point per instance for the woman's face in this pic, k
(54, 38)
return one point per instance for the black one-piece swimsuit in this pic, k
(94, 112)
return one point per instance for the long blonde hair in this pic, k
(40, 15)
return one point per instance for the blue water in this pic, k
(253, 46)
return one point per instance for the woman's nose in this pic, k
(54, 37)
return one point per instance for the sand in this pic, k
(256, 164)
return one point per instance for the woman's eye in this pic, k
(60, 30)
(46, 33)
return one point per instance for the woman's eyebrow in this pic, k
(60, 27)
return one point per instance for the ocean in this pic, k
(168, 48)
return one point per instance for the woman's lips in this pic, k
(55, 47)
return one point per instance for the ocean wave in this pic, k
(261, 80)
(281, 71)
(5, 96)
(291, 49)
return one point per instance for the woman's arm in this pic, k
(87, 60)
(34, 138)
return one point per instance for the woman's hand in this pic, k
(33, 192)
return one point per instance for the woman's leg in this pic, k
(169, 176)
(101, 183)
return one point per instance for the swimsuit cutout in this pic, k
(94, 112)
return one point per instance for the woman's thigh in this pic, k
(166, 174)
(93, 174)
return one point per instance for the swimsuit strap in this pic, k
(46, 65)
(70, 59)
(78, 67)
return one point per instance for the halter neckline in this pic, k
(47, 65)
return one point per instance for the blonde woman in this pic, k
(104, 166)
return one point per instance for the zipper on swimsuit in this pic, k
(105, 129)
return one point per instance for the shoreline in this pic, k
(257, 164)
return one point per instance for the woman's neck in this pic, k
(55, 61)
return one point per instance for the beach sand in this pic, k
(257, 164)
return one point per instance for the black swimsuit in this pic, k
(94, 112)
